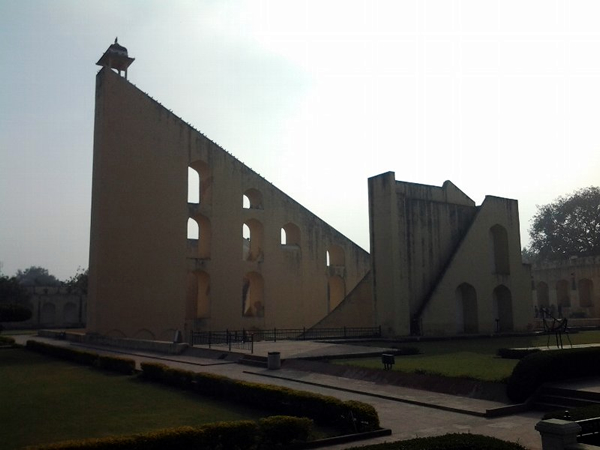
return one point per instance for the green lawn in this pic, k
(469, 358)
(46, 400)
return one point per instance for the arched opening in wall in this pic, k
(116, 334)
(336, 256)
(586, 293)
(204, 236)
(193, 229)
(144, 334)
(563, 299)
(467, 319)
(29, 305)
(543, 295)
(245, 242)
(70, 313)
(252, 199)
(252, 240)
(290, 235)
(499, 246)
(193, 186)
(202, 295)
(503, 308)
(336, 292)
(48, 313)
(204, 183)
(253, 295)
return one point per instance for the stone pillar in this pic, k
(557, 434)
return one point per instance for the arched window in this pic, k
(290, 235)
(586, 293)
(253, 295)
(252, 199)
(193, 229)
(144, 334)
(336, 291)
(499, 250)
(336, 256)
(252, 240)
(503, 308)
(48, 315)
(562, 294)
(204, 183)
(543, 297)
(193, 186)
(200, 235)
(466, 309)
(70, 313)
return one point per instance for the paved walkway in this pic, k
(407, 412)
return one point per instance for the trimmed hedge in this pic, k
(277, 431)
(453, 441)
(269, 433)
(516, 353)
(348, 416)
(238, 435)
(6, 340)
(115, 364)
(111, 363)
(13, 312)
(77, 356)
(553, 365)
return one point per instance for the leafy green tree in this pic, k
(11, 312)
(11, 291)
(36, 276)
(79, 281)
(13, 298)
(569, 226)
(528, 256)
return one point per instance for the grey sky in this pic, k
(501, 97)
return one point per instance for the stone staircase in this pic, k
(551, 398)
(253, 360)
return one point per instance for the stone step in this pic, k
(593, 397)
(253, 360)
(550, 398)
(548, 403)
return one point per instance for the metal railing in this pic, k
(244, 339)
(589, 426)
(303, 334)
(240, 340)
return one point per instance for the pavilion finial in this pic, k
(116, 57)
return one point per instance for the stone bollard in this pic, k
(557, 434)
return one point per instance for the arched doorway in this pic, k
(543, 297)
(466, 309)
(253, 295)
(503, 313)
